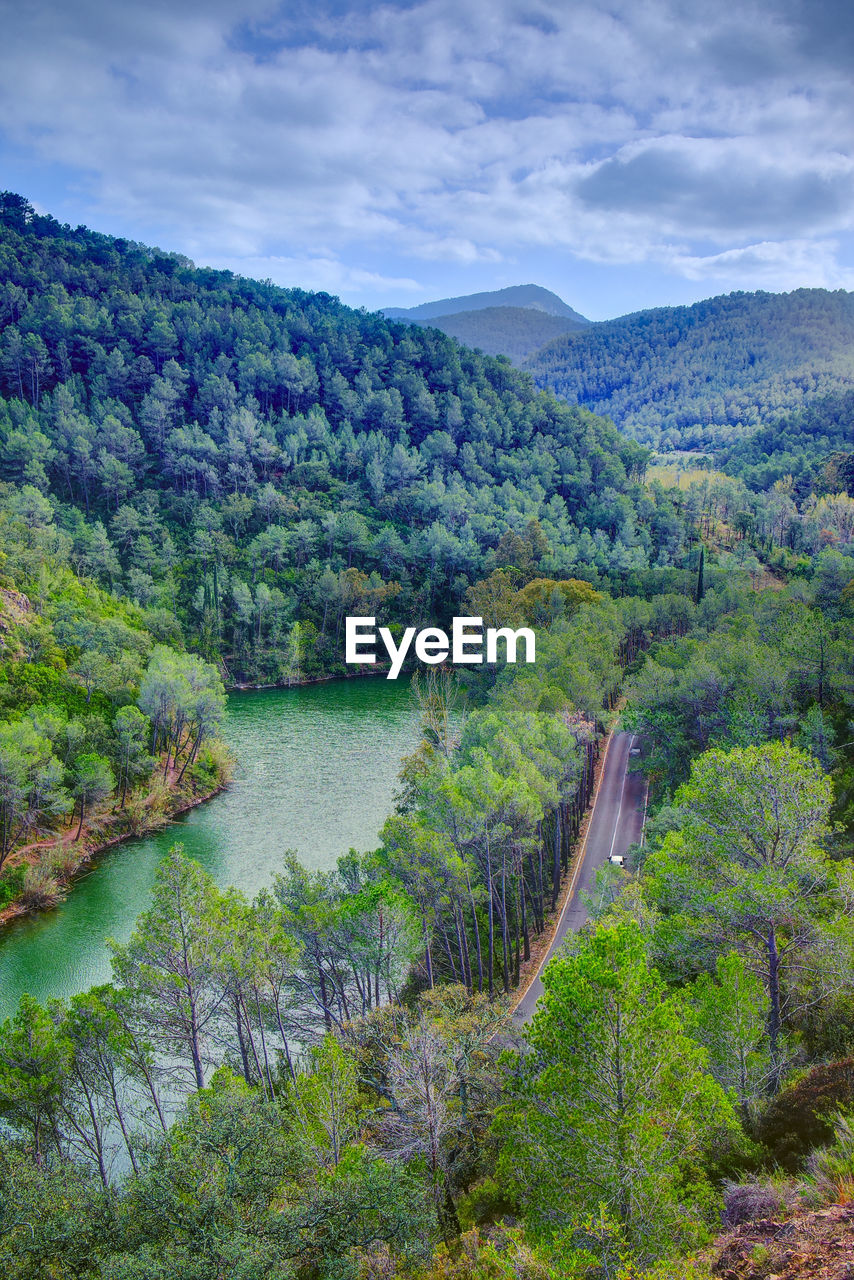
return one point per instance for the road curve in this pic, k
(615, 822)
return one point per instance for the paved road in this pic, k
(615, 823)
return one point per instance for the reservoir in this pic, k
(316, 772)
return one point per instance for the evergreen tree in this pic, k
(614, 1105)
(701, 580)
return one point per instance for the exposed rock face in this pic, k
(14, 604)
(14, 608)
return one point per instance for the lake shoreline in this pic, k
(17, 908)
(89, 853)
(360, 673)
(317, 775)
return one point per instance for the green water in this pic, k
(317, 770)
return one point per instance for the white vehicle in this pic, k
(617, 859)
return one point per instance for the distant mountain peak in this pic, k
(530, 297)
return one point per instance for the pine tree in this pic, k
(701, 577)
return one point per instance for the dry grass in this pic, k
(679, 475)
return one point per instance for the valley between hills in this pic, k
(306, 1060)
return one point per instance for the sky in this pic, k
(625, 155)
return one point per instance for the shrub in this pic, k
(40, 889)
(211, 769)
(11, 885)
(62, 859)
(484, 1202)
(749, 1202)
(801, 1117)
(147, 810)
(831, 1168)
(505, 1256)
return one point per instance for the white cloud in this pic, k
(327, 274)
(781, 264)
(453, 131)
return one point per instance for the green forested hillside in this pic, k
(324, 1083)
(106, 725)
(514, 332)
(813, 446)
(349, 1080)
(260, 461)
(707, 374)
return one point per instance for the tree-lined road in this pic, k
(615, 823)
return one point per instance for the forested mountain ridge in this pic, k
(512, 322)
(190, 453)
(515, 332)
(261, 461)
(707, 374)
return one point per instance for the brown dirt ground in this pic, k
(807, 1246)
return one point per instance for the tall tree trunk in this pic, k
(446, 943)
(377, 971)
(774, 1016)
(505, 940)
(427, 954)
(327, 1019)
(464, 942)
(238, 1023)
(491, 901)
(267, 1072)
(117, 1107)
(197, 1056)
(476, 927)
(191, 757)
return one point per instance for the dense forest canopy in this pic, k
(799, 445)
(256, 458)
(324, 1083)
(104, 719)
(708, 374)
